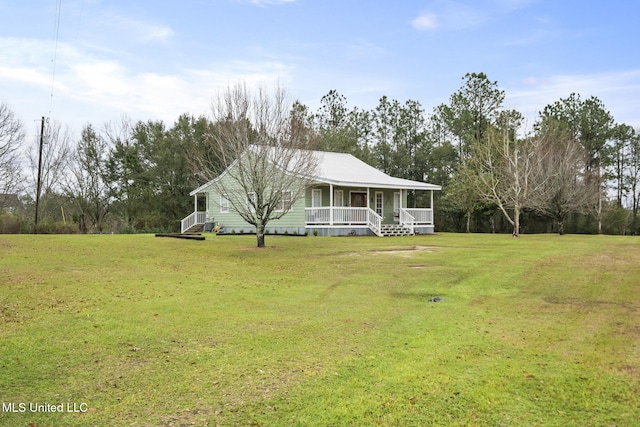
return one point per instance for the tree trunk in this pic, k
(561, 227)
(260, 235)
(468, 221)
(516, 221)
(599, 215)
(82, 223)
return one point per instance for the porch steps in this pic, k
(394, 230)
(195, 228)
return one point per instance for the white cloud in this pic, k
(456, 15)
(142, 31)
(97, 86)
(618, 90)
(150, 95)
(449, 15)
(425, 21)
(25, 75)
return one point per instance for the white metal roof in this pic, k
(349, 171)
(346, 170)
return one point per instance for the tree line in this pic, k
(574, 170)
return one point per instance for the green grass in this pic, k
(542, 330)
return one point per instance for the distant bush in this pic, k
(10, 224)
(59, 227)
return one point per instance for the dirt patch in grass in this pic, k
(591, 303)
(417, 248)
(397, 251)
(256, 248)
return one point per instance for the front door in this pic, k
(358, 200)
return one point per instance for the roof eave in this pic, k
(417, 186)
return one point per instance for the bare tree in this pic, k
(11, 137)
(267, 158)
(562, 189)
(502, 169)
(56, 152)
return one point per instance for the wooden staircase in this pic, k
(193, 223)
(195, 228)
(394, 230)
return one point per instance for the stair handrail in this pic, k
(374, 221)
(192, 219)
(407, 220)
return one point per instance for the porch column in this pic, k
(330, 204)
(195, 203)
(431, 206)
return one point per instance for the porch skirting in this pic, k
(352, 230)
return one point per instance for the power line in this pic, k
(56, 33)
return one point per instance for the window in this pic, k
(397, 204)
(224, 204)
(316, 198)
(338, 198)
(286, 200)
(379, 202)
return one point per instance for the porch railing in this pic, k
(328, 215)
(196, 218)
(341, 216)
(420, 216)
(406, 219)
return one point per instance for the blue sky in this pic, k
(158, 59)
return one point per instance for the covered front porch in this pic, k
(366, 210)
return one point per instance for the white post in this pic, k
(330, 204)
(195, 203)
(431, 206)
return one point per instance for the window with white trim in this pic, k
(316, 198)
(379, 202)
(397, 204)
(286, 199)
(338, 198)
(224, 204)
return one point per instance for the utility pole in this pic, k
(39, 170)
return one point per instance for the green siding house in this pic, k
(346, 197)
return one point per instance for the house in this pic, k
(346, 196)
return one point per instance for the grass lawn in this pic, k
(451, 329)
